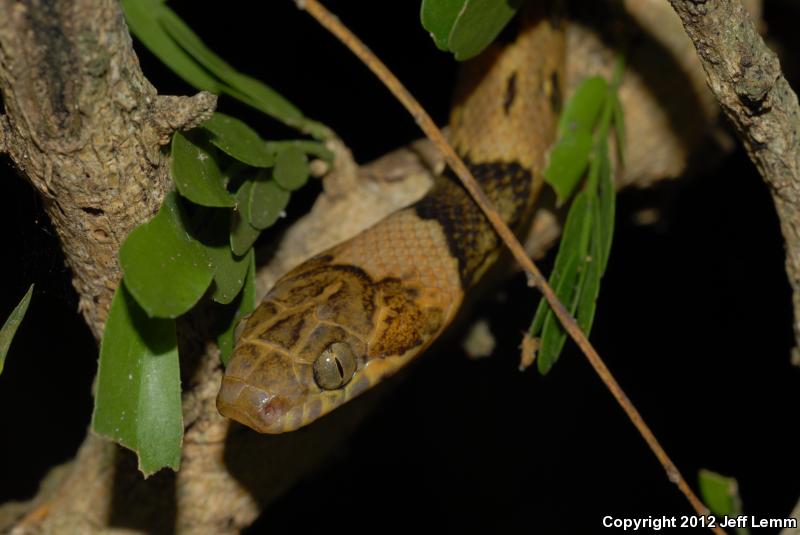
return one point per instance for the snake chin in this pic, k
(273, 413)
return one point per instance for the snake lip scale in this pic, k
(355, 314)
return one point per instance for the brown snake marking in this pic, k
(340, 322)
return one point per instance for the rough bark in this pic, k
(99, 181)
(86, 128)
(745, 77)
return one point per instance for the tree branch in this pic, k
(220, 489)
(745, 76)
(85, 127)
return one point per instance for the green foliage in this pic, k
(173, 42)
(239, 141)
(9, 328)
(164, 267)
(721, 495)
(244, 304)
(230, 186)
(291, 168)
(138, 398)
(466, 27)
(267, 201)
(581, 152)
(196, 172)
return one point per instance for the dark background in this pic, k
(694, 319)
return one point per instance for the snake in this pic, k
(349, 317)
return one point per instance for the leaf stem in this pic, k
(535, 277)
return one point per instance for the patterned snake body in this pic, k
(342, 321)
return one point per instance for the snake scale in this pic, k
(342, 321)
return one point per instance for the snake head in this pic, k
(324, 334)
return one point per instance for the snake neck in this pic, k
(502, 122)
(470, 237)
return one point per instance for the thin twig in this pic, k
(535, 278)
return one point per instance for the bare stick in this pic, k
(535, 278)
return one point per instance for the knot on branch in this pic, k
(173, 113)
(756, 80)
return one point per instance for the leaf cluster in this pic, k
(581, 152)
(230, 186)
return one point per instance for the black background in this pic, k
(694, 319)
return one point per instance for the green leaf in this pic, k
(619, 126)
(263, 98)
(267, 202)
(11, 324)
(229, 269)
(239, 141)
(196, 173)
(141, 16)
(606, 205)
(173, 42)
(553, 334)
(236, 84)
(568, 162)
(244, 304)
(138, 399)
(243, 234)
(477, 24)
(185, 37)
(291, 169)
(165, 269)
(572, 268)
(313, 148)
(570, 247)
(438, 17)
(583, 108)
(721, 495)
(590, 284)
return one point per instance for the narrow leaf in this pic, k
(438, 17)
(258, 93)
(570, 247)
(553, 334)
(590, 285)
(477, 24)
(239, 141)
(313, 148)
(196, 173)
(568, 162)
(606, 205)
(11, 324)
(583, 108)
(165, 269)
(573, 270)
(619, 127)
(244, 304)
(138, 399)
(141, 17)
(263, 98)
(291, 169)
(185, 37)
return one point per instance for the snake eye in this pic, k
(335, 366)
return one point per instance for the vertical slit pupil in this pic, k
(339, 367)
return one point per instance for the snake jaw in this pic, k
(248, 405)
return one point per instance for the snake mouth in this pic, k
(253, 407)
